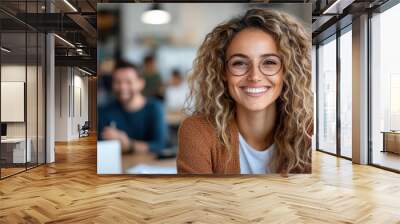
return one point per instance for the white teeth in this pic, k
(255, 90)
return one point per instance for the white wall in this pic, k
(61, 103)
(70, 84)
(80, 94)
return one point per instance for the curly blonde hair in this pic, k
(210, 98)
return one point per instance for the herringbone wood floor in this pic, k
(70, 191)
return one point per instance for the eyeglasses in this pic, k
(269, 65)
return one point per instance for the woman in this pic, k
(251, 88)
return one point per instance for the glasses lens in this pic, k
(270, 65)
(238, 66)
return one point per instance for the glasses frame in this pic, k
(252, 67)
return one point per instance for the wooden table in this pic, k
(175, 118)
(131, 160)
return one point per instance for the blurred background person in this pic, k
(176, 92)
(104, 91)
(138, 122)
(154, 86)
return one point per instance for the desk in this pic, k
(391, 141)
(13, 150)
(131, 160)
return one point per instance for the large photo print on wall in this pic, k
(196, 88)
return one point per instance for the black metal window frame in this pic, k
(334, 37)
(381, 9)
(387, 5)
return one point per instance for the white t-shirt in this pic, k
(175, 96)
(254, 161)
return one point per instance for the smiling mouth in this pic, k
(255, 91)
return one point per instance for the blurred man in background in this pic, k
(138, 122)
(154, 86)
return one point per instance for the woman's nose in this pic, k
(254, 73)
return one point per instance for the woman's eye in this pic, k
(239, 64)
(270, 62)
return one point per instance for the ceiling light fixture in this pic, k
(156, 15)
(337, 7)
(84, 71)
(70, 5)
(79, 51)
(5, 50)
(64, 40)
(326, 11)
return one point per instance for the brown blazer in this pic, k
(200, 152)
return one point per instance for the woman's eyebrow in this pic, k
(245, 56)
(238, 55)
(270, 54)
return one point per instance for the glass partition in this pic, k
(346, 93)
(385, 89)
(327, 96)
(22, 77)
(14, 153)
